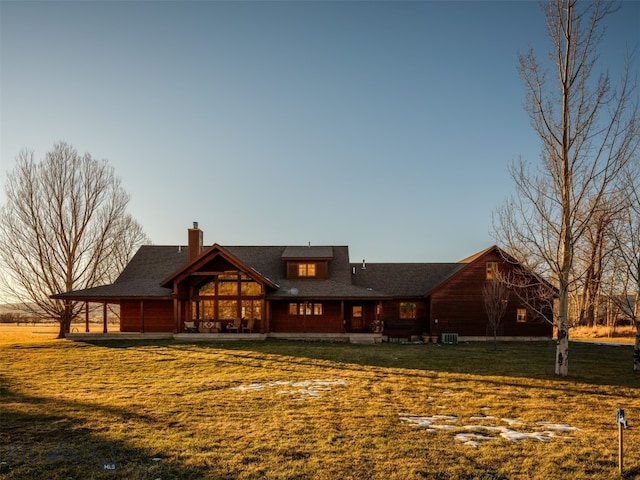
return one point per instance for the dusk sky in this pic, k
(384, 126)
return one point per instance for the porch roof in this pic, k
(116, 291)
(140, 278)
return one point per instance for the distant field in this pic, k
(33, 331)
(11, 333)
(296, 410)
(604, 334)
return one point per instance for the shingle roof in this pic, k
(268, 262)
(152, 264)
(315, 252)
(141, 277)
(403, 279)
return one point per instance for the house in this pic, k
(304, 291)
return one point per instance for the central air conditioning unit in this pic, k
(450, 338)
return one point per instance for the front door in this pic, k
(357, 318)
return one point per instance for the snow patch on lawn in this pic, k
(511, 421)
(471, 439)
(482, 432)
(302, 389)
(557, 426)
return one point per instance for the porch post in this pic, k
(344, 321)
(304, 317)
(86, 317)
(141, 316)
(104, 317)
(176, 319)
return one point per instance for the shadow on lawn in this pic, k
(590, 364)
(48, 438)
(632, 474)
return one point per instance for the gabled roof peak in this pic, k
(480, 254)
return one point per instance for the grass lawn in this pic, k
(296, 410)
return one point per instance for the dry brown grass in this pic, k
(11, 333)
(623, 334)
(234, 411)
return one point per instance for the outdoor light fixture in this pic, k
(622, 424)
(620, 420)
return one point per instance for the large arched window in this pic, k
(227, 296)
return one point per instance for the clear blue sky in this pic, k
(385, 126)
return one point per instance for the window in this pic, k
(228, 284)
(306, 308)
(208, 288)
(521, 315)
(202, 310)
(227, 296)
(251, 309)
(227, 309)
(306, 269)
(249, 287)
(356, 311)
(408, 310)
(492, 270)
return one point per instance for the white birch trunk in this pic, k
(562, 345)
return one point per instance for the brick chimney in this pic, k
(195, 242)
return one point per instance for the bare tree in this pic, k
(595, 259)
(496, 297)
(534, 293)
(64, 227)
(627, 295)
(588, 132)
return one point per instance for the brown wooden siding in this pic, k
(329, 322)
(158, 316)
(458, 305)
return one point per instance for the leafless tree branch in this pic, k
(63, 227)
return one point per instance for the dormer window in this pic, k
(306, 269)
(309, 262)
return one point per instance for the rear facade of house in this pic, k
(305, 290)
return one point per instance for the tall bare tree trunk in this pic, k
(589, 135)
(64, 321)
